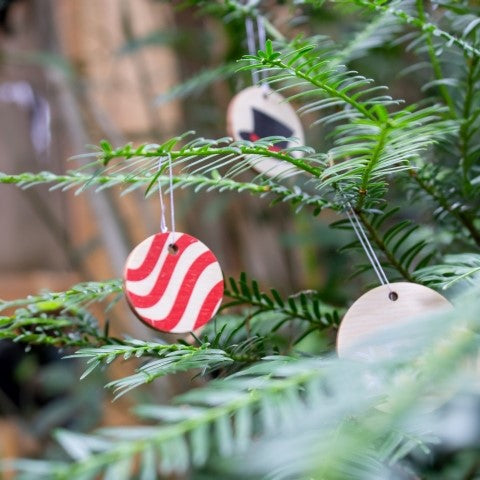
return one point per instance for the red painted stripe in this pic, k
(208, 308)
(135, 275)
(180, 305)
(150, 259)
(164, 277)
(273, 148)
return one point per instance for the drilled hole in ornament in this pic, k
(173, 249)
(393, 296)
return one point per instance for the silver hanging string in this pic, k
(252, 37)
(366, 245)
(163, 222)
(252, 50)
(172, 203)
(262, 40)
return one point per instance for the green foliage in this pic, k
(303, 305)
(457, 268)
(58, 318)
(293, 402)
(169, 359)
(275, 403)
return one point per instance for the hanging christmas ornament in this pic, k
(256, 113)
(172, 281)
(388, 305)
(385, 306)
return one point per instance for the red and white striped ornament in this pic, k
(173, 282)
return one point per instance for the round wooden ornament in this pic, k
(380, 308)
(173, 282)
(256, 113)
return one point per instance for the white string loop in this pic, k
(366, 245)
(163, 222)
(172, 203)
(262, 40)
(252, 37)
(251, 45)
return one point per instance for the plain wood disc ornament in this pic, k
(380, 308)
(256, 113)
(173, 282)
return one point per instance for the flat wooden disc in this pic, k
(375, 311)
(173, 291)
(256, 113)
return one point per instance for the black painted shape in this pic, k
(266, 126)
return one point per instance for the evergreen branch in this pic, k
(281, 193)
(463, 217)
(382, 246)
(211, 148)
(59, 318)
(404, 252)
(437, 69)
(55, 331)
(239, 400)
(302, 306)
(77, 296)
(372, 163)
(169, 359)
(83, 180)
(470, 114)
(376, 33)
(230, 10)
(302, 63)
(278, 398)
(354, 447)
(371, 151)
(426, 27)
(373, 143)
(460, 267)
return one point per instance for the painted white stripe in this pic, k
(165, 303)
(187, 257)
(189, 318)
(204, 284)
(139, 253)
(143, 287)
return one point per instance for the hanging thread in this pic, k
(262, 40)
(163, 222)
(367, 247)
(252, 45)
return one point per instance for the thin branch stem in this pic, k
(33, 330)
(296, 196)
(210, 151)
(462, 217)
(466, 123)
(382, 140)
(376, 238)
(437, 69)
(322, 86)
(404, 17)
(240, 299)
